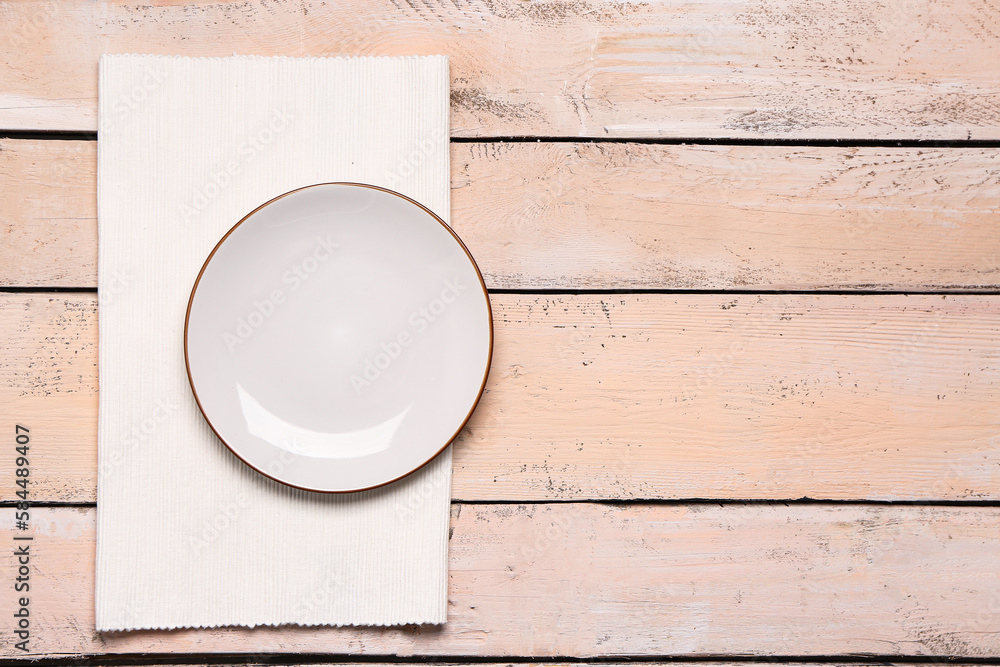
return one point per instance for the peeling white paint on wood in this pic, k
(889, 397)
(636, 216)
(598, 580)
(884, 69)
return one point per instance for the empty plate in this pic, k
(338, 337)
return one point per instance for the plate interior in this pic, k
(338, 337)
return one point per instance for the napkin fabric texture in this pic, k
(187, 535)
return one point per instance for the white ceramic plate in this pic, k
(338, 337)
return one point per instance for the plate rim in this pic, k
(489, 353)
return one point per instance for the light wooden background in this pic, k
(744, 258)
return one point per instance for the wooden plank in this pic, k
(684, 68)
(587, 580)
(886, 397)
(48, 384)
(605, 215)
(48, 214)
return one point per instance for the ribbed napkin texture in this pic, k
(187, 535)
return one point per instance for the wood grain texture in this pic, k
(593, 215)
(602, 68)
(48, 384)
(888, 397)
(588, 580)
(603, 216)
(48, 213)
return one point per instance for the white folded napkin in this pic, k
(187, 535)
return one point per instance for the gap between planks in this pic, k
(354, 660)
(69, 135)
